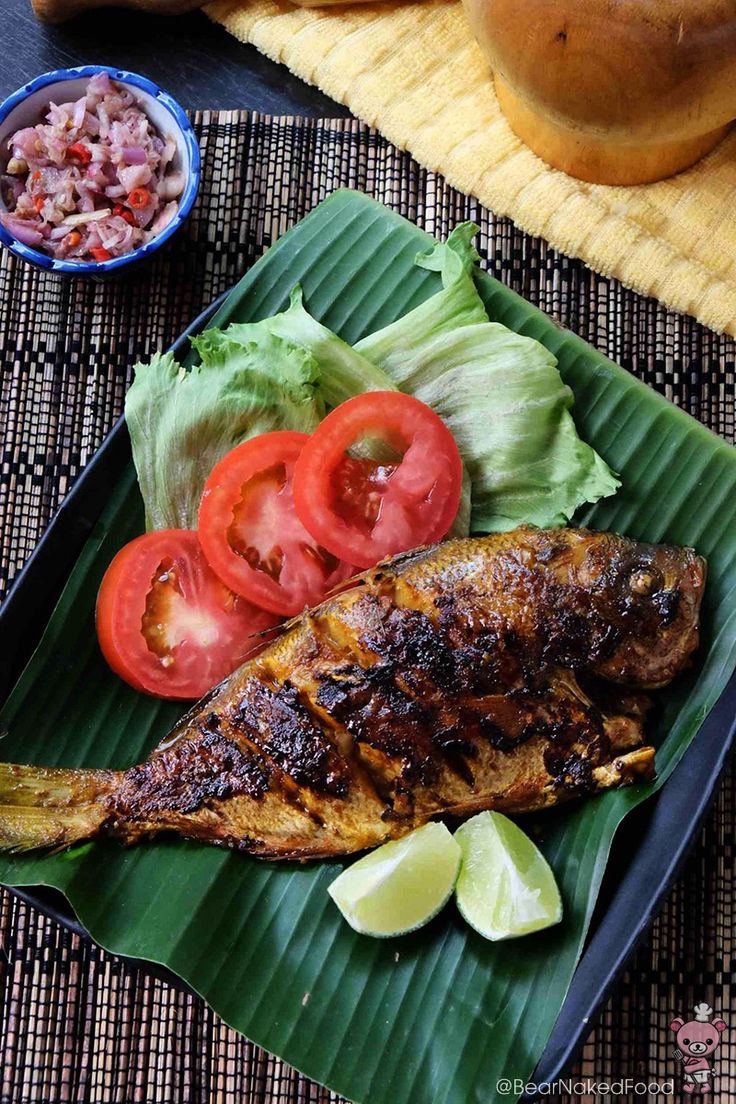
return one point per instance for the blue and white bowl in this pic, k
(26, 107)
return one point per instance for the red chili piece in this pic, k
(79, 151)
(124, 213)
(139, 198)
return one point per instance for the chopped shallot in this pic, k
(96, 174)
(87, 216)
(134, 155)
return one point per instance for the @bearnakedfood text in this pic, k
(697, 1040)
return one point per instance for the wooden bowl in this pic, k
(613, 91)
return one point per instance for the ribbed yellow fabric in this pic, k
(414, 71)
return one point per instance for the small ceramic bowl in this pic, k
(26, 107)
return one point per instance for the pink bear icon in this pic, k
(696, 1042)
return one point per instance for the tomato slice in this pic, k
(369, 509)
(250, 531)
(165, 622)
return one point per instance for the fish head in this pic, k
(596, 602)
(650, 596)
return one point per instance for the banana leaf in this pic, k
(439, 1015)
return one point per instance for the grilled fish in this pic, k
(501, 672)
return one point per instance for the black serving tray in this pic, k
(648, 850)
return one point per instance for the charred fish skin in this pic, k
(598, 602)
(492, 672)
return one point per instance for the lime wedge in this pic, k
(401, 885)
(505, 887)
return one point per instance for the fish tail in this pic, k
(51, 806)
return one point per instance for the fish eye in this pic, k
(667, 603)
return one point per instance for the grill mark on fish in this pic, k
(483, 673)
(376, 712)
(282, 725)
(494, 659)
(399, 706)
(572, 772)
(177, 779)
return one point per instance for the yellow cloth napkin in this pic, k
(414, 71)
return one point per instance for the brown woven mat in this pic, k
(79, 1025)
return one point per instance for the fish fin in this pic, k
(25, 828)
(634, 766)
(51, 806)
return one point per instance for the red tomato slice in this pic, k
(367, 510)
(251, 534)
(165, 622)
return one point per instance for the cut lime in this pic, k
(505, 886)
(401, 885)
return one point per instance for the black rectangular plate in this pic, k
(648, 849)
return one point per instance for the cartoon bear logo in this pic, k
(697, 1041)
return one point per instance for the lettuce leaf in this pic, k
(458, 304)
(499, 393)
(182, 422)
(508, 409)
(343, 371)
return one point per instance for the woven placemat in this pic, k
(79, 1025)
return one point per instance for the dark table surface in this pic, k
(188, 55)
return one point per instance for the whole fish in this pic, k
(497, 672)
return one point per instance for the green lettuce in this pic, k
(343, 371)
(499, 393)
(182, 422)
(458, 304)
